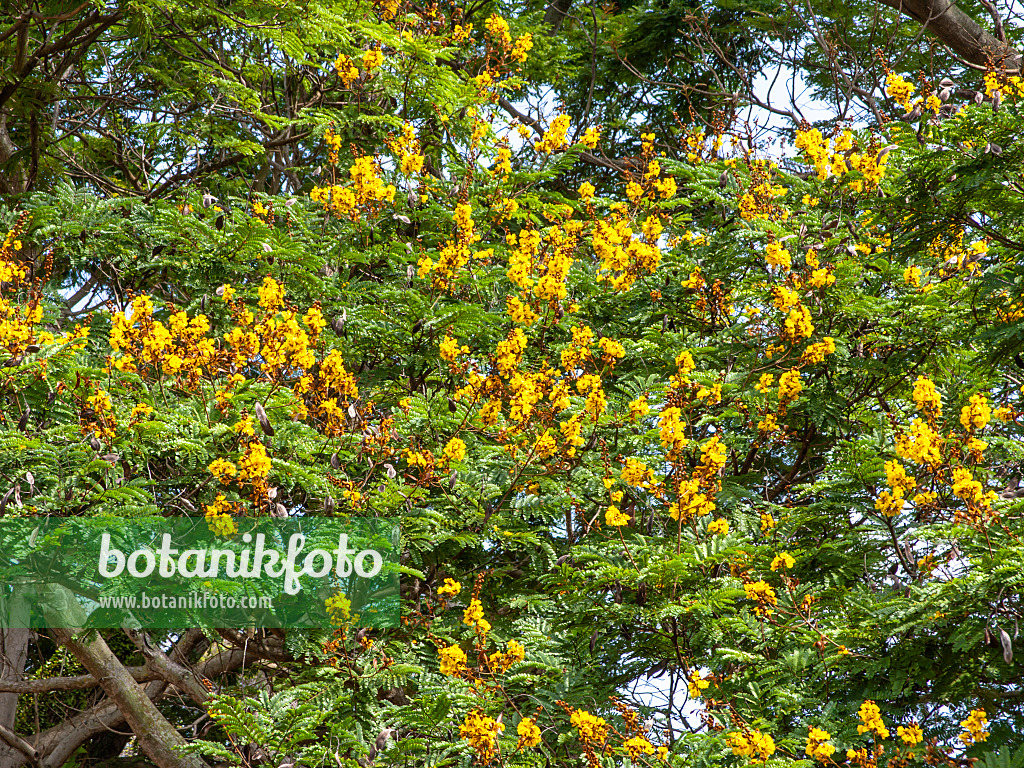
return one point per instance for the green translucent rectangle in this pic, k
(159, 573)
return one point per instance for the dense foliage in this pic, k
(704, 455)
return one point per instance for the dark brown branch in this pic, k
(959, 32)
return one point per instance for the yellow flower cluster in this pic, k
(790, 386)
(339, 609)
(762, 593)
(554, 137)
(450, 349)
(592, 729)
(719, 527)
(672, 430)
(474, 616)
(910, 734)
(514, 653)
(455, 449)
(529, 733)
(899, 90)
(367, 194)
(798, 324)
(333, 142)
(976, 414)
(614, 517)
(695, 684)
(751, 743)
(453, 660)
(818, 747)
(637, 746)
(522, 46)
(346, 70)
(831, 160)
(969, 490)
(974, 727)
(777, 256)
(482, 734)
(871, 720)
(406, 148)
(218, 517)
(624, 259)
(816, 353)
(923, 445)
(450, 588)
(782, 560)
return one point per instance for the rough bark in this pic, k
(13, 653)
(155, 735)
(962, 34)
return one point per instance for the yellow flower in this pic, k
(751, 743)
(777, 256)
(976, 414)
(592, 729)
(818, 747)
(453, 660)
(529, 733)
(339, 609)
(372, 59)
(974, 727)
(926, 397)
(455, 450)
(871, 720)
(790, 386)
(554, 137)
(482, 734)
(637, 747)
(450, 588)
(910, 734)
(616, 518)
(695, 684)
(782, 560)
(718, 527)
(221, 469)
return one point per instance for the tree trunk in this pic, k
(962, 34)
(13, 654)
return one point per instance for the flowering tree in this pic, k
(741, 426)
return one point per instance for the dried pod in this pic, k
(110, 458)
(338, 323)
(280, 511)
(220, 291)
(23, 421)
(94, 443)
(1004, 639)
(329, 505)
(208, 200)
(261, 414)
(334, 461)
(31, 349)
(390, 469)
